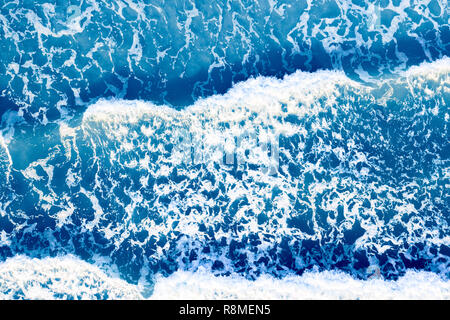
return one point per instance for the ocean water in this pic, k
(224, 149)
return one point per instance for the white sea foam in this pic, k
(312, 285)
(68, 277)
(249, 104)
(60, 278)
(137, 129)
(257, 94)
(260, 94)
(430, 69)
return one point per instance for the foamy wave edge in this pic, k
(68, 277)
(65, 277)
(259, 93)
(311, 285)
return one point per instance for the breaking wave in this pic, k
(232, 143)
(277, 177)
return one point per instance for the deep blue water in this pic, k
(117, 142)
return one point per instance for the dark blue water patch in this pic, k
(7, 105)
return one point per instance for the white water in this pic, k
(313, 285)
(69, 277)
(60, 278)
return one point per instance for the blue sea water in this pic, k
(143, 142)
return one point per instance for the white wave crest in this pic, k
(430, 69)
(69, 277)
(260, 94)
(60, 278)
(312, 285)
